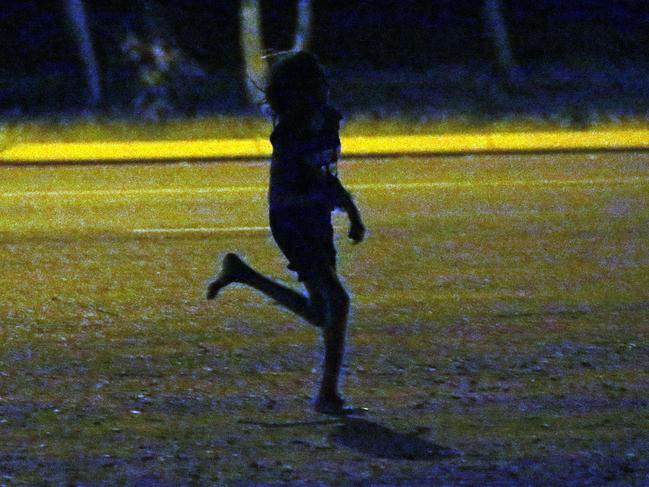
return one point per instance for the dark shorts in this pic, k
(306, 237)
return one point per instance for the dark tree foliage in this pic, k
(39, 64)
(380, 32)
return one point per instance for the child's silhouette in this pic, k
(304, 190)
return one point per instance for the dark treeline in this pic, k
(384, 33)
(407, 35)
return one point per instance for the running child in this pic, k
(304, 190)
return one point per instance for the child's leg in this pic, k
(334, 316)
(327, 307)
(235, 270)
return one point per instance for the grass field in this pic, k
(499, 333)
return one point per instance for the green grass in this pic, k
(505, 320)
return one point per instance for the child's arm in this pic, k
(345, 202)
(325, 163)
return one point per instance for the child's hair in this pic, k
(297, 86)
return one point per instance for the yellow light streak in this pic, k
(259, 148)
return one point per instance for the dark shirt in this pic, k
(303, 167)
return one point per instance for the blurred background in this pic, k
(575, 63)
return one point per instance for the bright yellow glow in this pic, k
(352, 146)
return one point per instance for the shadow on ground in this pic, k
(379, 441)
(373, 439)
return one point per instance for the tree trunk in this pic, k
(496, 30)
(303, 25)
(77, 17)
(251, 43)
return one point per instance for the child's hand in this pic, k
(357, 232)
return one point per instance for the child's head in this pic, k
(297, 86)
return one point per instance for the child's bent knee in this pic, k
(329, 301)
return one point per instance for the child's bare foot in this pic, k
(334, 406)
(232, 270)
